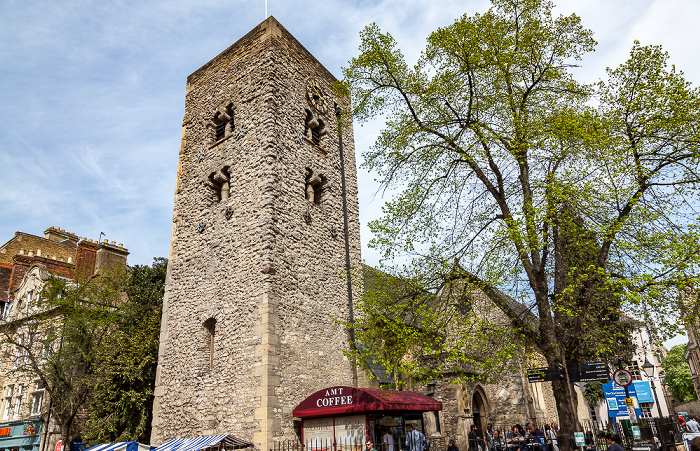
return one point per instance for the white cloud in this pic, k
(92, 93)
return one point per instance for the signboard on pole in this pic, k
(622, 377)
(615, 396)
(580, 439)
(636, 433)
(59, 446)
(632, 414)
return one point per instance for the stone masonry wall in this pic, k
(265, 263)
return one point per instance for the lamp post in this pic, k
(648, 368)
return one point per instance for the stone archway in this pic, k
(480, 410)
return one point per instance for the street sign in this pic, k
(580, 439)
(622, 377)
(632, 414)
(595, 371)
(629, 402)
(59, 446)
(636, 433)
(547, 373)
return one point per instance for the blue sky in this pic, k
(92, 93)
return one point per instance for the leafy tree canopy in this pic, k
(677, 374)
(513, 177)
(123, 391)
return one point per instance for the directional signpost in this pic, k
(578, 372)
(547, 373)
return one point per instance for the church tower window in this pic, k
(222, 123)
(209, 332)
(220, 182)
(314, 187)
(314, 127)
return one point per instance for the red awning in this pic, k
(349, 400)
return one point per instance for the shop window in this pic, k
(37, 398)
(209, 333)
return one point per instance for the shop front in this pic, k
(342, 418)
(20, 435)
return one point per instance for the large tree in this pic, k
(578, 200)
(58, 342)
(677, 374)
(122, 399)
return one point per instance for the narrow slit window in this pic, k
(209, 334)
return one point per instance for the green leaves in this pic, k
(677, 374)
(512, 177)
(123, 391)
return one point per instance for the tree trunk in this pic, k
(567, 410)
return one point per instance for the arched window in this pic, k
(209, 333)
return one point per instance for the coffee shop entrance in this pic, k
(342, 418)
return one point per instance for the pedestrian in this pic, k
(474, 439)
(497, 442)
(536, 440)
(451, 446)
(614, 442)
(387, 441)
(488, 436)
(590, 443)
(415, 440)
(369, 445)
(695, 444)
(552, 438)
(514, 438)
(692, 425)
(681, 421)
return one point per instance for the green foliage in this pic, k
(512, 177)
(58, 341)
(123, 393)
(593, 393)
(677, 374)
(409, 330)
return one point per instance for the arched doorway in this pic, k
(479, 412)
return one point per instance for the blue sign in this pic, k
(612, 403)
(616, 394)
(643, 390)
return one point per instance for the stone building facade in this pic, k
(255, 278)
(24, 420)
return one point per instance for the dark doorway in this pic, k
(479, 413)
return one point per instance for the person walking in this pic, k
(497, 443)
(692, 425)
(551, 437)
(415, 440)
(474, 439)
(451, 446)
(614, 442)
(387, 441)
(536, 440)
(514, 438)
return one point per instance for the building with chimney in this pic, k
(26, 263)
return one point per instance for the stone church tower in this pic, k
(257, 259)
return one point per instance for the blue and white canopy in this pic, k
(224, 442)
(121, 446)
